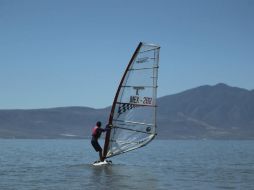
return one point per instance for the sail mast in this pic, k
(107, 138)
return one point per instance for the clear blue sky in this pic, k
(73, 52)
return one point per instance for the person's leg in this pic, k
(101, 158)
(98, 148)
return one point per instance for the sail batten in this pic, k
(131, 122)
(133, 104)
(139, 86)
(142, 69)
(133, 113)
(147, 50)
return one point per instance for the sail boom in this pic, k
(132, 130)
(138, 105)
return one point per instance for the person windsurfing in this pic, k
(96, 133)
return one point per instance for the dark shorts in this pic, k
(96, 145)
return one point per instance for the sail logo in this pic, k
(142, 59)
(137, 88)
(124, 107)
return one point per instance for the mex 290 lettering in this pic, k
(147, 100)
(134, 99)
(139, 100)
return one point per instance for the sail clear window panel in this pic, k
(144, 77)
(123, 140)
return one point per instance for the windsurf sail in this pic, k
(132, 121)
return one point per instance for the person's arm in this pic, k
(102, 130)
(106, 128)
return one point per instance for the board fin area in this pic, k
(105, 162)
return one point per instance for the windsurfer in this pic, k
(96, 133)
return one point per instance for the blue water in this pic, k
(163, 164)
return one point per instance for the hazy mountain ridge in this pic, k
(213, 112)
(48, 123)
(218, 111)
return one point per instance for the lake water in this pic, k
(163, 164)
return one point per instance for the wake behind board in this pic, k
(105, 162)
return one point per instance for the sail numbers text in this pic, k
(141, 100)
(142, 59)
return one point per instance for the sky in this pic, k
(56, 53)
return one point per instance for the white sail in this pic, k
(133, 114)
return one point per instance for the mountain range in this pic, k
(205, 112)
